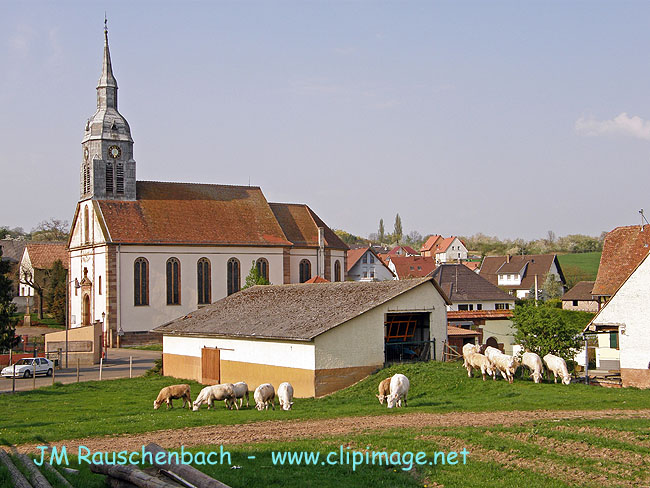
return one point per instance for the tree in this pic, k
(55, 293)
(255, 278)
(397, 232)
(51, 230)
(545, 329)
(8, 337)
(382, 232)
(551, 288)
(27, 277)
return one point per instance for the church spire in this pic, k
(107, 85)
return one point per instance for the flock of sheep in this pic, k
(494, 361)
(393, 390)
(229, 393)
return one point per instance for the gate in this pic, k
(210, 366)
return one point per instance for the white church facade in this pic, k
(143, 253)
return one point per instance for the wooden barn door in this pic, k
(210, 367)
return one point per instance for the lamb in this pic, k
(209, 394)
(534, 363)
(173, 392)
(285, 395)
(399, 388)
(241, 392)
(558, 366)
(507, 365)
(384, 390)
(475, 360)
(467, 350)
(264, 394)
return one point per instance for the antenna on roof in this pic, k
(643, 219)
(249, 181)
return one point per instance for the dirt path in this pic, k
(278, 430)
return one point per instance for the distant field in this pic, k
(580, 267)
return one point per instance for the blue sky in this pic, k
(506, 118)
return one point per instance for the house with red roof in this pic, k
(147, 252)
(402, 251)
(444, 249)
(405, 267)
(37, 259)
(364, 264)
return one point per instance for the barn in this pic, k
(320, 337)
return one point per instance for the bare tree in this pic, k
(27, 278)
(51, 230)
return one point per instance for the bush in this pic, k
(156, 370)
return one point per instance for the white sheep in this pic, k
(241, 392)
(557, 366)
(533, 362)
(399, 388)
(209, 394)
(478, 361)
(384, 390)
(264, 394)
(507, 365)
(467, 350)
(285, 395)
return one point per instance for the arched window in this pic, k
(203, 280)
(173, 281)
(263, 268)
(337, 270)
(234, 280)
(305, 270)
(141, 282)
(86, 225)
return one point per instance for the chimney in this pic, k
(321, 253)
(507, 258)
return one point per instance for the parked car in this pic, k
(25, 367)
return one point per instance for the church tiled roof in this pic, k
(206, 214)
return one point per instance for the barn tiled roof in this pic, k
(413, 266)
(461, 284)
(623, 250)
(300, 224)
(529, 264)
(581, 291)
(478, 314)
(406, 249)
(297, 312)
(452, 330)
(43, 254)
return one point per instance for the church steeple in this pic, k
(107, 85)
(108, 167)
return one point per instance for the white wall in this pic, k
(94, 260)
(381, 272)
(274, 353)
(629, 308)
(487, 304)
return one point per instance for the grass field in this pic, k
(580, 267)
(533, 452)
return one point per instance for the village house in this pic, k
(405, 267)
(147, 252)
(621, 328)
(402, 251)
(319, 337)
(520, 274)
(444, 249)
(477, 306)
(363, 264)
(580, 298)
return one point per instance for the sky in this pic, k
(506, 118)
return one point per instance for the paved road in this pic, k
(116, 366)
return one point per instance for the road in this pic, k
(116, 366)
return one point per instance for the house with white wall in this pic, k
(444, 249)
(363, 264)
(621, 328)
(520, 274)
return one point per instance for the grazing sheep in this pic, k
(285, 395)
(241, 392)
(489, 352)
(533, 362)
(557, 365)
(209, 394)
(478, 361)
(467, 350)
(384, 390)
(399, 388)
(507, 365)
(264, 394)
(173, 392)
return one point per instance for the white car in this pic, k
(25, 368)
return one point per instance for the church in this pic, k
(143, 253)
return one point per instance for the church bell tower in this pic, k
(108, 167)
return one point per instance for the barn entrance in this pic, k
(407, 337)
(210, 366)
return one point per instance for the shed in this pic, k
(320, 337)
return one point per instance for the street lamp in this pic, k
(67, 314)
(105, 334)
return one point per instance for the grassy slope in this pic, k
(586, 263)
(125, 406)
